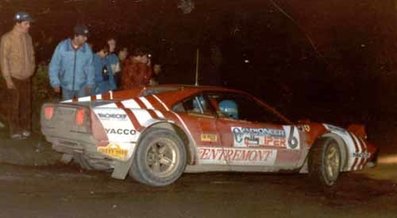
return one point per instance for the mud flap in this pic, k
(121, 169)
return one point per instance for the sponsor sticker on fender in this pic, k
(209, 137)
(117, 124)
(237, 156)
(114, 150)
(286, 137)
(120, 131)
(112, 116)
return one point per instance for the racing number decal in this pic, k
(292, 140)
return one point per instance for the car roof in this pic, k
(189, 88)
(174, 93)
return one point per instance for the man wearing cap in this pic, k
(17, 66)
(71, 67)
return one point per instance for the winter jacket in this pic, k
(70, 68)
(103, 82)
(135, 74)
(17, 55)
(114, 63)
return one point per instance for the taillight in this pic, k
(80, 116)
(49, 112)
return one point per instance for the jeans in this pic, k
(70, 94)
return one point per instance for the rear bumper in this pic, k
(71, 143)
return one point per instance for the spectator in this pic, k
(71, 66)
(104, 80)
(123, 54)
(113, 59)
(154, 80)
(136, 71)
(17, 66)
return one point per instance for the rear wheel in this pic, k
(159, 159)
(325, 162)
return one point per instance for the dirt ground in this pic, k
(34, 184)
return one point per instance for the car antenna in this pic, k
(197, 66)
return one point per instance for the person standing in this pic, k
(71, 67)
(136, 71)
(113, 59)
(104, 79)
(17, 60)
(154, 80)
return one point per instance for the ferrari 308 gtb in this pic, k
(156, 133)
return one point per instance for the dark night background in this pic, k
(331, 61)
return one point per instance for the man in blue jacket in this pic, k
(71, 66)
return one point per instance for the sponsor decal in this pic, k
(257, 137)
(365, 155)
(114, 150)
(107, 116)
(209, 137)
(246, 137)
(304, 128)
(237, 156)
(293, 142)
(121, 131)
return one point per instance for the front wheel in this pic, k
(159, 159)
(325, 162)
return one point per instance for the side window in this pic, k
(197, 104)
(243, 108)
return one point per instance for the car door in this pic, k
(252, 135)
(200, 118)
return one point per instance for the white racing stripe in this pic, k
(159, 114)
(131, 103)
(86, 98)
(161, 102)
(360, 150)
(143, 116)
(110, 105)
(363, 143)
(184, 126)
(365, 150)
(146, 103)
(81, 99)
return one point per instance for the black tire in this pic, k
(90, 164)
(325, 162)
(160, 158)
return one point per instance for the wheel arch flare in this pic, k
(188, 143)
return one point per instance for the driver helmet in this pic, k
(229, 108)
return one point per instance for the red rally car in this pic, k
(156, 133)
